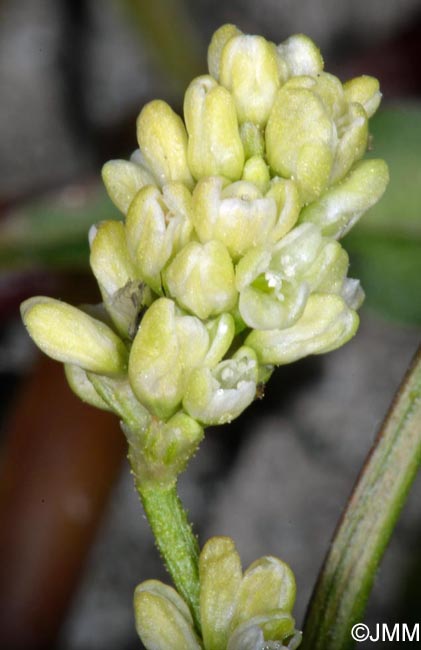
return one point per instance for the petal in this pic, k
(268, 584)
(326, 324)
(274, 629)
(220, 395)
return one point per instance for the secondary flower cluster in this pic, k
(237, 612)
(227, 262)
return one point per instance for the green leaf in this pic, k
(347, 576)
(385, 247)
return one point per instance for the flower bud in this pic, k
(163, 619)
(300, 140)
(221, 334)
(237, 612)
(201, 279)
(340, 207)
(122, 291)
(214, 146)
(110, 260)
(256, 171)
(326, 324)
(366, 91)
(249, 71)
(162, 140)
(238, 215)
(155, 232)
(123, 179)
(219, 395)
(69, 335)
(328, 271)
(220, 578)
(219, 39)
(165, 350)
(301, 55)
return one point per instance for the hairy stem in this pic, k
(346, 579)
(175, 540)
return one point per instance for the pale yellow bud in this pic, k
(220, 578)
(123, 179)
(162, 140)
(249, 71)
(366, 91)
(165, 350)
(214, 146)
(110, 260)
(69, 335)
(219, 39)
(300, 140)
(256, 171)
(301, 55)
(201, 279)
(155, 232)
(163, 619)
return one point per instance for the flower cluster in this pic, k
(237, 612)
(227, 262)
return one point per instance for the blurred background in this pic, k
(73, 540)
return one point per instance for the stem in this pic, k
(175, 540)
(346, 579)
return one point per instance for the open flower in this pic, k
(250, 611)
